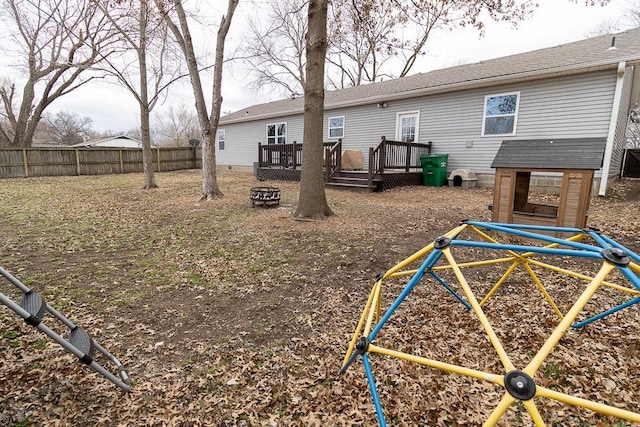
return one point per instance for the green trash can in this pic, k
(434, 169)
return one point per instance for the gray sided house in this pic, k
(573, 91)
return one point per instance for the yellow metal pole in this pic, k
(491, 239)
(363, 316)
(416, 256)
(499, 410)
(569, 318)
(504, 277)
(533, 412)
(375, 308)
(582, 276)
(543, 290)
(493, 338)
(468, 372)
(475, 263)
(588, 404)
(421, 253)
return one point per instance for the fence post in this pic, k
(25, 162)
(77, 162)
(370, 167)
(159, 164)
(121, 156)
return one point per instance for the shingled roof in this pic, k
(586, 55)
(576, 153)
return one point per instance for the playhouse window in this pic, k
(500, 114)
(526, 202)
(277, 133)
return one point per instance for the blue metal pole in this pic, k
(525, 226)
(629, 252)
(543, 250)
(606, 313)
(629, 274)
(576, 245)
(454, 293)
(598, 238)
(374, 392)
(433, 257)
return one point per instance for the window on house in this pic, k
(407, 126)
(277, 133)
(336, 127)
(221, 139)
(500, 114)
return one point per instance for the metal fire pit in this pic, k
(265, 196)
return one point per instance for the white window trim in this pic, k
(329, 127)
(276, 124)
(399, 124)
(224, 139)
(515, 119)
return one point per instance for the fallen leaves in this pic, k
(227, 315)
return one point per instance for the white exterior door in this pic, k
(407, 126)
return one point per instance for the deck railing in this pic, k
(289, 156)
(396, 155)
(332, 160)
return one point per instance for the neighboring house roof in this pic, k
(576, 153)
(120, 141)
(586, 55)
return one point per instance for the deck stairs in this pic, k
(354, 181)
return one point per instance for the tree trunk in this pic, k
(210, 189)
(312, 202)
(208, 124)
(147, 153)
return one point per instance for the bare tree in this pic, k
(633, 128)
(55, 42)
(362, 40)
(275, 55)
(68, 128)
(312, 202)
(176, 127)
(208, 123)
(631, 16)
(368, 40)
(148, 76)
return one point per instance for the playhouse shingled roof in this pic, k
(586, 55)
(575, 153)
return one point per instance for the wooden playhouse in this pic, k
(567, 164)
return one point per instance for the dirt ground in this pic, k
(227, 314)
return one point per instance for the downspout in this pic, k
(613, 124)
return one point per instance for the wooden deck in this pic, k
(391, 164)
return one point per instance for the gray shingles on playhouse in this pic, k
(575, 153)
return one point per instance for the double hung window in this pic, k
(500, 114)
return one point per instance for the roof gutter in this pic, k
(613, 125)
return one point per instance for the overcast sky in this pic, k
(554, 22)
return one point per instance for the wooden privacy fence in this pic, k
(63, 161)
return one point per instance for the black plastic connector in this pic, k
(441, 242)
(616, 256)
(520, 385)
